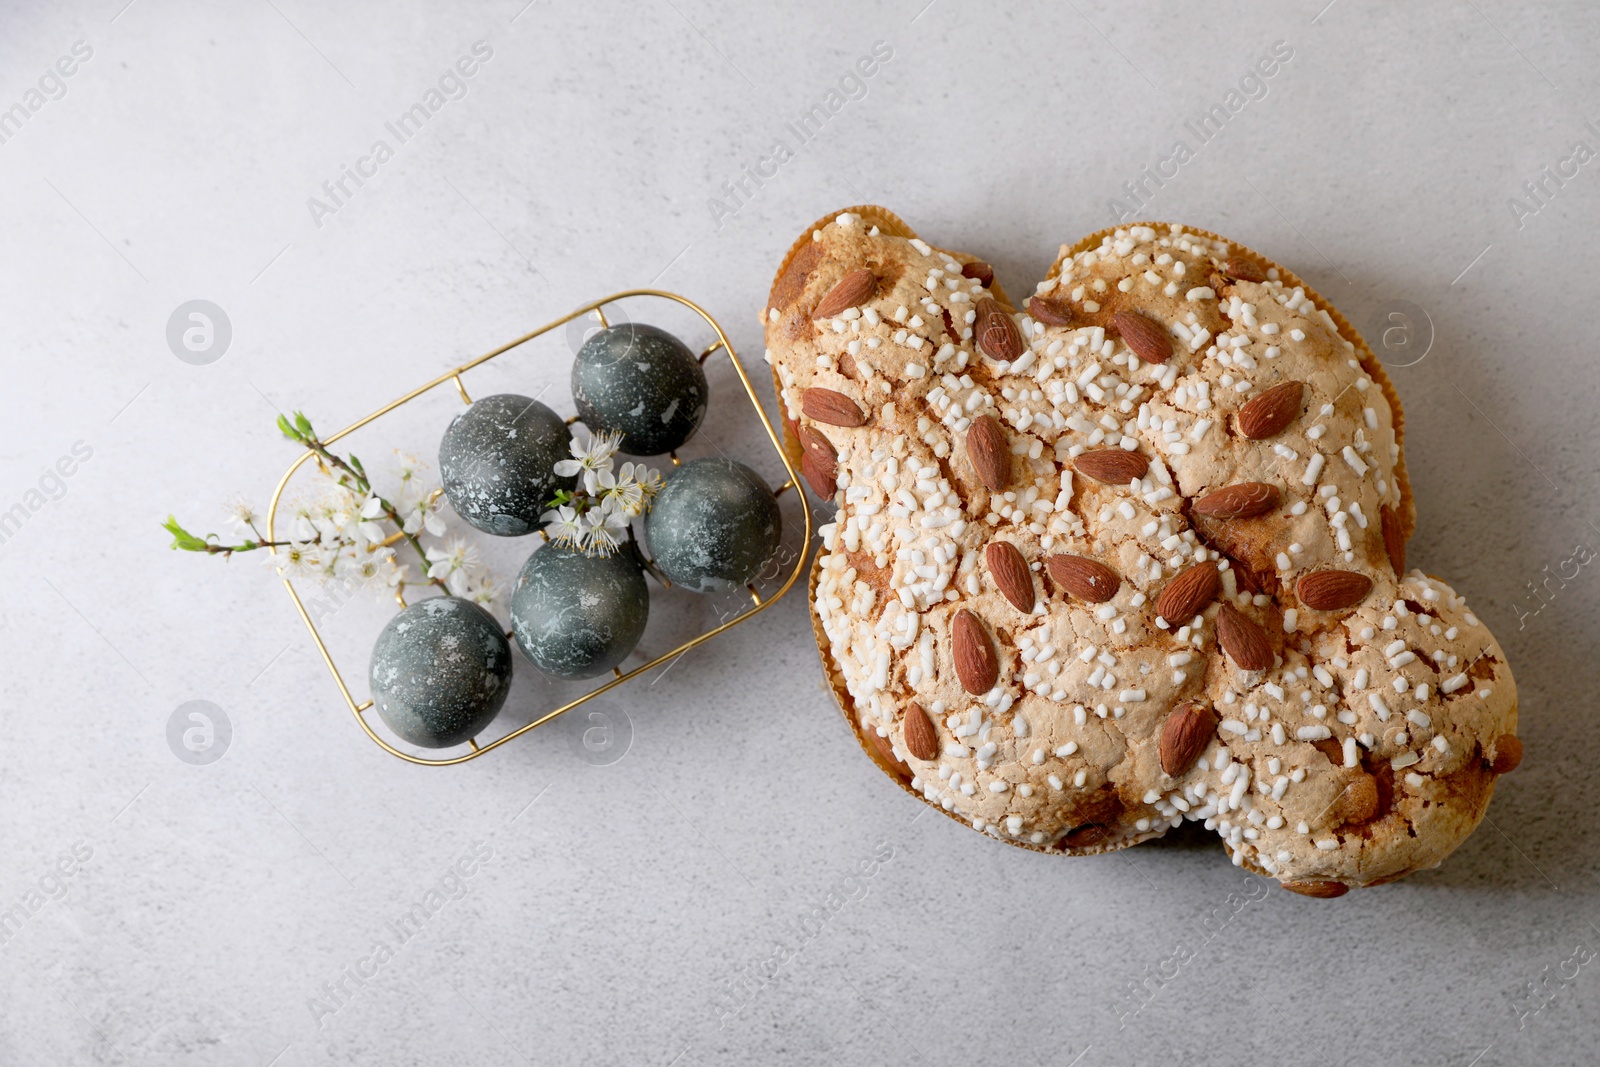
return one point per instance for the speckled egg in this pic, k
(440, 671)
(497, 463)
(643, 382)
(714, 526)
(576, 616)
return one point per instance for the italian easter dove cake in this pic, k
(1131, 554)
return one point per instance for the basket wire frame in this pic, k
(758, 603)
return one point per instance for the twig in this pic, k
(363, 485)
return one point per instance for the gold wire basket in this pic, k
(757, 605)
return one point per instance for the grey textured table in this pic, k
(740, 886)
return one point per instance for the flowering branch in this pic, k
(188, 542)
(595, 517)
(341, 535)
(301, 432)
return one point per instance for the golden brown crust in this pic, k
(1375, 791)
(1369, 362)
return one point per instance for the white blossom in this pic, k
(368, 528)
(606, 526)
(423, 514)
(294, 560)
(453, 564)
(375, 569)
(409, 470)
(483, 591)
(244, 518)
(565, 526)
(632, 487)
(590, 458)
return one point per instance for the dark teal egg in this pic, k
(440, 671)
(642, 382)
(713, 526)
(497, 463)
(576, 616)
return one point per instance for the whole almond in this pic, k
(1247, 579)
(1330, 590)
(976, 664)
(921, 740)
(813, 441)
(1011, 575)
(1242, 500)
(1244, 267)
(1357, 803)
(990, 453)
(1113, 466)
(1086, 836)
(1394, 541)
(1187, 595)
(822, 474)
(831, 407)
(1050, 311)
(885, 749)
(996, 332)
(1266, 414)
(1149, 341)
(1084, 578)
(1245, 642)
(1184, 736)
(1507, 754)
(980, 270)
(819, 463)
(853, 290)
(1312, 888)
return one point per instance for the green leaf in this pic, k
(181, 538)
(285, 428)
(302, 423)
